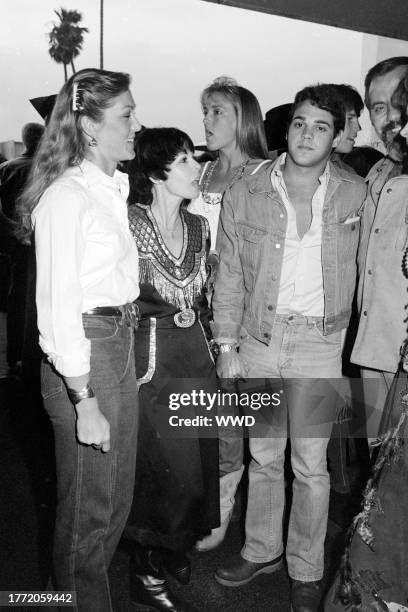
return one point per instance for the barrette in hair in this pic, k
(75, 97)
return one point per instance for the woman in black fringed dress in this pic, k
(176, 499)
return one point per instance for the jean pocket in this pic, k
(51, 382)
(100, 328)
(334, 338)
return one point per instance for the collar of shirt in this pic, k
(277, 175)
(95, 176)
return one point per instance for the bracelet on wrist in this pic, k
(77, 396)
(222, 347)
(226, 348)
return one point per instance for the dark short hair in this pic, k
(380, 69)
(350, 98)
(400, 97)
(31, 135)
(323, 96)
(156, 149)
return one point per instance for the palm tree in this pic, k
(101, 34)
(66, 39)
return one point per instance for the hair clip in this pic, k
(75, 98)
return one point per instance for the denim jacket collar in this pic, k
(261, 183)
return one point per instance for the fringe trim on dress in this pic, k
(177, 294)
(348, 591)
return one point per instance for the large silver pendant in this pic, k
(185, 318)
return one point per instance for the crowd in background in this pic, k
(140, 269)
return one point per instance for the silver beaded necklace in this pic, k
(239, 171)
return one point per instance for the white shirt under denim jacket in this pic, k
(251, 240)
(86, 257)
(301, 282)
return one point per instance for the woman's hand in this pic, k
(91, 426)
(231, 365)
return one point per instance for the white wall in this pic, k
(173, 49)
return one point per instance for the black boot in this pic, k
(178, 565)
(148, 585)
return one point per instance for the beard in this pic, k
(395, 144)
(388, 136)
(398, 148)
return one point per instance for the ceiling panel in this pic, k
(381, 17)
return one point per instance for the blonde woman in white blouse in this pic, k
(87, 280)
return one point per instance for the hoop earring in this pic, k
(92, 142)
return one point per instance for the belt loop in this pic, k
(130, 315)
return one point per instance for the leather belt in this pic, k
(182, 319)
(104, 311)
(129, 313)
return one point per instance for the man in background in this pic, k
(381, 295)
(13, 177)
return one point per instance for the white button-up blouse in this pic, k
(86, 257)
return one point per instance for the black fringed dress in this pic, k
(176, 498)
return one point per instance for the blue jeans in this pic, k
(302, 359)
(95, 489)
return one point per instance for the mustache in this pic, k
(391, 125)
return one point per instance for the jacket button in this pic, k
(277, 245)
(353, 227)
(370, 272)
(274, 277)
(266, 335)
(365, 313)
(281, 216)
(389, 190)
(376, 231)
(270, 307)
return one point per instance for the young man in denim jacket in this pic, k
(288, 240)
(382, 294)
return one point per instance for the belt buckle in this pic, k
(185, 318)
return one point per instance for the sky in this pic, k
(172, 49)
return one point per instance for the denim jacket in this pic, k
(382, 290)
(251, 239)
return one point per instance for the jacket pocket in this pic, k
(251, 233)
(251, 240)
(347, 235)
